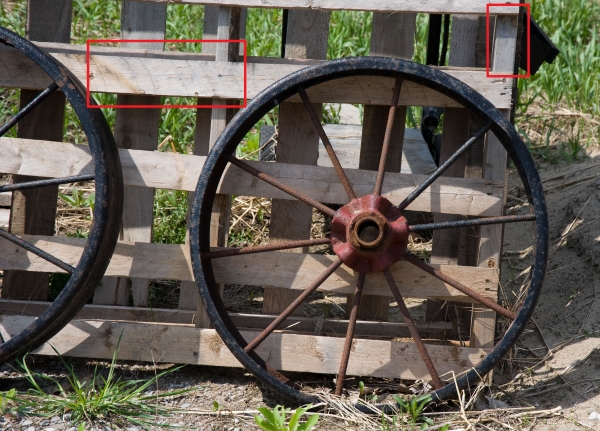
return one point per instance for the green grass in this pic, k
(105, 397)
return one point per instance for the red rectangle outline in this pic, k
(87, 69)
(487, 41)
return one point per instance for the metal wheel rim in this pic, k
(281, 90)
(108, 208)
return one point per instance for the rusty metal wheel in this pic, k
(387, 244)
(105, 171)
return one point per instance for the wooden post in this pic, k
(504, 60)
(392, 36)
(306, 37)
(459, 246)
(224, 23)
(34, 211)
(189, 297)
(136, 129)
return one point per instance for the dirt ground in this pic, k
(554, 369)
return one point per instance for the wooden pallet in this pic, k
(475, 187)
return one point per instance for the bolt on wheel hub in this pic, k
(369, 234)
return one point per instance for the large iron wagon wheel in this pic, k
(107, 211)
(388, 244)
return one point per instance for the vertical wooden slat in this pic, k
(189, 298)
(34, 211)
(136, 129)
(392, 36)
(459, 246)
(306, 37)
(209, 126)
(505, 52)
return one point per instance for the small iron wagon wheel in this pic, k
(107, 212)
(371, 211)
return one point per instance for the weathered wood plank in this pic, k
(168, 75)
(278, 269)
(504, 60)
(306, 37)
(4, 217)
(400, 6)
(136, 129)
(291, 352)
(346, 139)
(447, 195)
(302, 324)
(392, 36)
(5, 199)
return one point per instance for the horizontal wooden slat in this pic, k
(185, 344)
(5, 199)
(113, 70)
(4, 217)
(422, 6)
(274, 269)
(176, 171)
(247, 321)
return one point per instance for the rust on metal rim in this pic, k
(435, 377)
(387, 137)
(339, 384)
(460, 287)
(350, 228)
(283, 187)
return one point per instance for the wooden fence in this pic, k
(140, 74)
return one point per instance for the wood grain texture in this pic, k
(167, 74)
(391, 36)
(4, 218)
(189, 297)
(447, 195)
(298, 142)
(136, 129)
(229, 27)
(423, 6)
(301, 324)
(188, 345)
(491, 239)
(454, 246)
(278, 269)
(34, 210)
(346, 140)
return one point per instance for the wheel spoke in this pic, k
(27, 108)
(459, 286)
(321, 132)
(44, 183)
(439, 171)
(264, 248)
(435, 377)
(283, 187)
(339, 386)
(471, 222)
(32, 248)
(290, 309)
(387, 137)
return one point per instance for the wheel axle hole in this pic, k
(368, 231)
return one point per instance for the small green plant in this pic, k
(78, 200)
(363, 393)
(274, 419)
(103, 397)
(413, 409)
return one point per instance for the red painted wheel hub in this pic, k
(369, 234)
